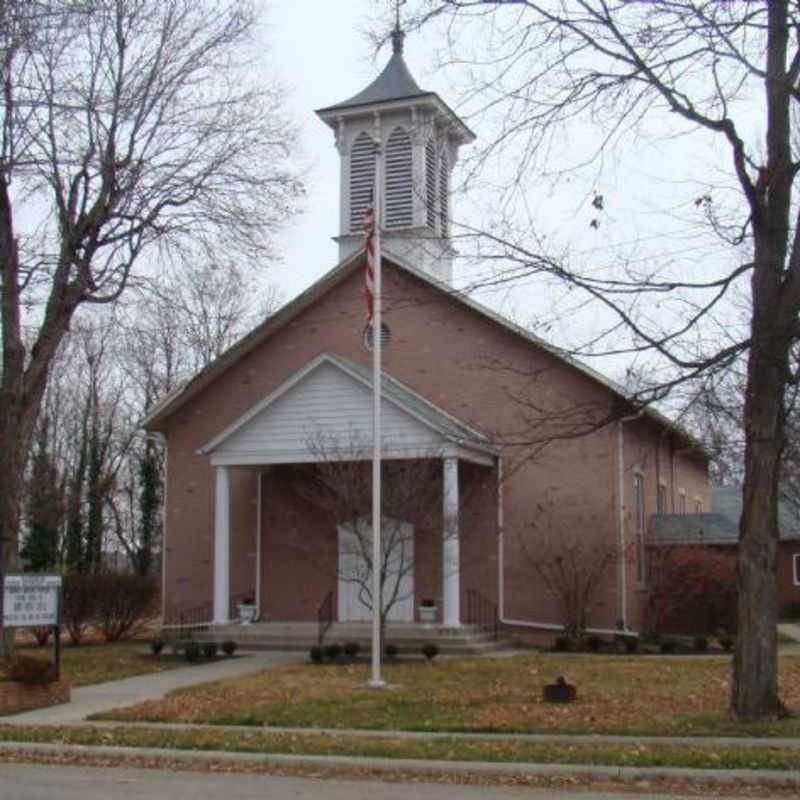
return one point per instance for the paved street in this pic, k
(40, 782)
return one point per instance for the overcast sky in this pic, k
(321, 53)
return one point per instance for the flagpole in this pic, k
(377, 596)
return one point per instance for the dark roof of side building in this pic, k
(721, 526)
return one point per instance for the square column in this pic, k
(451, 555)
(222, 545)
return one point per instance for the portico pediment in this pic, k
(325, 410)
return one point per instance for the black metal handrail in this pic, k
(324, 617)
(188, 619)
(481, 612)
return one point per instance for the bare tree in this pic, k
(718, 70)
(128, 127)
(571, 565)
(340, 484)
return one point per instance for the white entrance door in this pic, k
(355, 577)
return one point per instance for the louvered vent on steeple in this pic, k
(444, 196)
(399, 180)
(430, 184)
(362, 179)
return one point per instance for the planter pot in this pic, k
(247, 613)
(427, 614)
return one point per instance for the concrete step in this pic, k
(407, 637)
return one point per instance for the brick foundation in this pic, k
(16, 697)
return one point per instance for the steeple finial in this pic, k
(397, 34)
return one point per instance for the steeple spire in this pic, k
(397, 34)
(420, 137)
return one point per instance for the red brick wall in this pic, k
(467, 365)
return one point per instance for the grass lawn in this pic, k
(633, 754)
(98, 662)
(678, 696)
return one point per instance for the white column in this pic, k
(451, 577)
(222, 545)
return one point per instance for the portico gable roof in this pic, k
(324, 411)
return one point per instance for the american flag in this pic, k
(369, 270)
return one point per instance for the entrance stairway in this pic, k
(407, 637)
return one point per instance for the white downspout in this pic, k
(545, 626)
(258, 546)
(501, 594)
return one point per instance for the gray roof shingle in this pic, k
(719, 527)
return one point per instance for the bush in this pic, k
(156, 646)
(726, 643)
(31, 671)
(117, 604)
(630, 643)
(191, 652)
(791, 610)
(594, 643)
(391, 651)
(692, 591)
(210, 650)
(229, 647)
(668, 646)
(430, 650)
(562, 644)
(352, 649)
(332, 651)
(78, 605)
(316, 654)
(42, 634)
(123, 603)
(700, 644)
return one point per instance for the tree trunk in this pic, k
(12, 465)
(755, 685)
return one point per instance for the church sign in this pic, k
(30, 600)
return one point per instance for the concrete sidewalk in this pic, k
(130, 691)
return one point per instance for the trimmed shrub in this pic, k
(594, 643)
(630, 643)
(562, 644)
(726, 643)
(668, 647)
(191, 652)
(430, 650)
(31, 671)
(332, 651)
(229, 647)
(156, 646)
(390, 651)
(210, 650)
(700, 644)
(316, 654)
(352, 649)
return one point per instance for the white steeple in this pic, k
(420, 136)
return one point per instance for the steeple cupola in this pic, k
(419, 136)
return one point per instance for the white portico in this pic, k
(331, 397)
